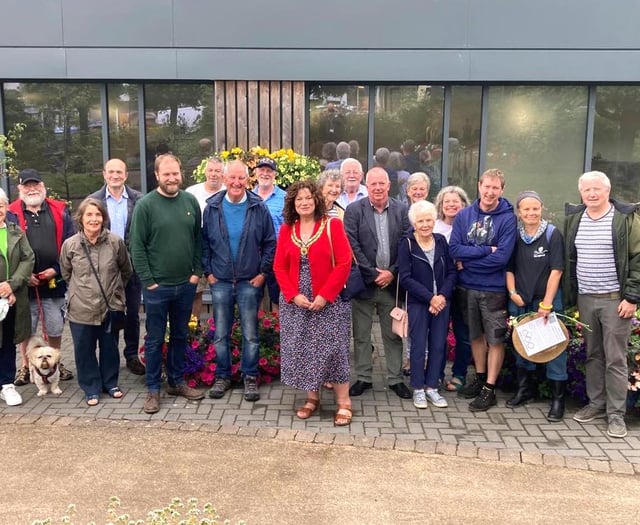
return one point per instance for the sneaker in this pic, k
(251, 389)
(485, 400)
(589, 413)
(22, 376)
(65, 373)
(135, 366)
(220, 386)
(617, 428)
(184, 390)
(419, 399)
(472, 389)
(152, 403)
(10, 395)
(436, 399)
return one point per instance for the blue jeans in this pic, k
(172, 302)
(224, 296)
(95, 374)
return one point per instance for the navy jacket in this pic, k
(257, 242)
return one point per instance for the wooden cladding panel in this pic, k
(269, 114)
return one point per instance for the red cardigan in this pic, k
(326, 280)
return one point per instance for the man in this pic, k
(482, 240)
(166, 249)
(238, 249)
(603, 270)
(120, 201)
(374, 226)
(273, 197)
(411, 162)
(343, 151)
(202, 191)
(351, 171)
(48, 224)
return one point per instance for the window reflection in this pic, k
(616, 148)
(536, 135)
(62, 139)
(338, 113)
(124, 131)
(408, 122)
(177, 118)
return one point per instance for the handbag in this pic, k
(400, 316)
(116, 320)
(355, 284)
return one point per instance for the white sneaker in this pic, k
(10, 395)
(419, 399)
(436, 399)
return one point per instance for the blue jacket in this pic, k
(473, 235)
(257, 242)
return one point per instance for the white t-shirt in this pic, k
(200, 192)
(443, 228)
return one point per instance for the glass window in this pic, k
(616, 139)
(124, 131)
(338, 114)
(536, 135)
(464, 137)
(63, 138)
(408, 123)
(179, 119)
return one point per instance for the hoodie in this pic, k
(473, 235)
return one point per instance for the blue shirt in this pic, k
(275, 204)
(118, 212)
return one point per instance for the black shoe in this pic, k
(485, 400)
(358, 388)
(526, 388)
(472, 389)
(401, 390)
(135, 366)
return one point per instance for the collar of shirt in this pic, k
(125, 195)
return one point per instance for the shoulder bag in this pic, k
(400, 316)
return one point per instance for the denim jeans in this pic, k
(172, 302)
(224, 296)
(95, 374)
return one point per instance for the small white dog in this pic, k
(43, 366)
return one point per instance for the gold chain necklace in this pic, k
(304, 246)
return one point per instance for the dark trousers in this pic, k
(133, 296)
(8, 349)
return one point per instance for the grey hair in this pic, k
(396, 161)
(417, 208)
(3, 197)
(227, 164)
(343, 150)
(351, 160)
(419, 176)
(330, 175)
(594, 175)
(382, 155)
(450, 189)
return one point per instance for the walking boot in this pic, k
(556, 411)
(526, 388)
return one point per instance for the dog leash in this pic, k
(45, 335)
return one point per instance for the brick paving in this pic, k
(381, 421)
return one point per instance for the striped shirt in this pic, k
(596, 265)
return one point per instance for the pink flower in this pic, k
(192, 383)
(234, 368)
(235, 352)
(266, 378)
(263, 361)
(195, 344)
(266, 323)
(212, 367)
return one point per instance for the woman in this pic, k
(312, 264)
(449, 201)
(428, 274)
(533, 282)
(95, 264)
(416, 188)
(331, 185)
(16, 265)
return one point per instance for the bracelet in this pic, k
(512, 292)
(543, 306)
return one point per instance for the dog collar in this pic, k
(45, 377)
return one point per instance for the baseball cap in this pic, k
(29, 175)
(266, 161)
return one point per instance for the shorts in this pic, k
(203, 285)
(52, 312)
(485, 313)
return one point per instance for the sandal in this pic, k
(343, 416)
(92, 400)
(455, 384)
(115, 392)
(305, 411)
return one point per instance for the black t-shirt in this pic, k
(532, 264)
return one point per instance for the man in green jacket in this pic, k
(603, 272)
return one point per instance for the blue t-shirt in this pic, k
(234, 214)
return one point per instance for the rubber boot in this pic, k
(556, 411)
(526, 388)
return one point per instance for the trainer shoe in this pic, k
(22, 376)
(152, 403)
(184, 390)
(135, 366)
(589, 413)
(10, 395)
(485, 400)
(472, 389)
(617, 428)
(65, 373)
(436, 399)
(220, 386)
(419, 399)
(251, 389)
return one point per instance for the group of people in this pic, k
(470, 264)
